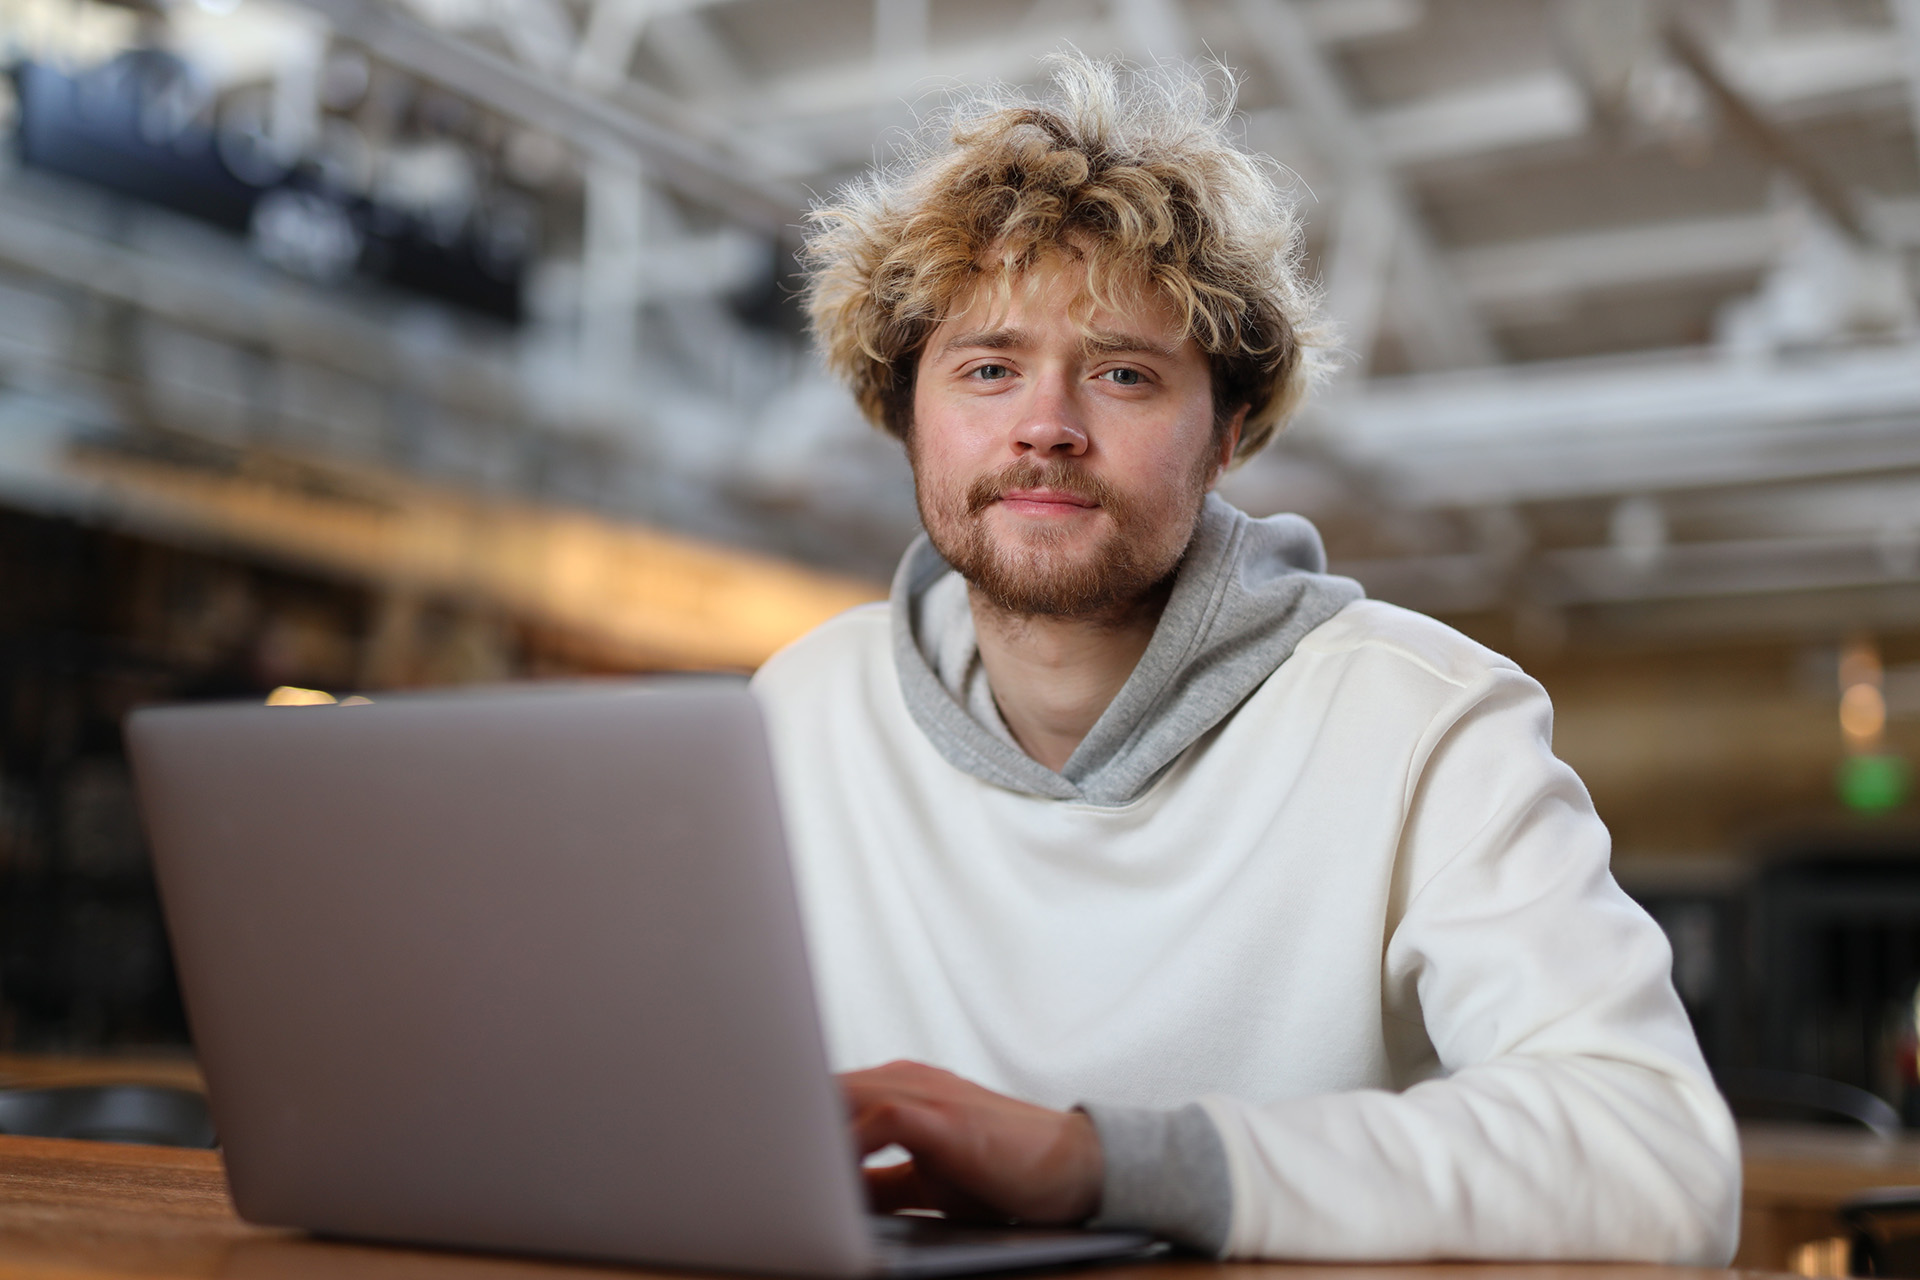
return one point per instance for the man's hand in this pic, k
(976, 1153)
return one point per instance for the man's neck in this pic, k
(1052, 677)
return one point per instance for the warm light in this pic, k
(1870, 780)
(1828, 1257)
(1863, 714)
(652, 599)
(288, 695)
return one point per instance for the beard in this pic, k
(1037, 572)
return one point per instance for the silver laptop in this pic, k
(520, 970)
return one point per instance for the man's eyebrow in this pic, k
(1104, 342)
(1098, 342)
(986, 340)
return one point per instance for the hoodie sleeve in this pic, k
(1570, 1115)
(1165, 1172)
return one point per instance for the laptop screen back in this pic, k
(515, 970)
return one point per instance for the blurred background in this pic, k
(349, 345)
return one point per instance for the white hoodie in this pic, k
(1365, 922)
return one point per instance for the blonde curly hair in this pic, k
(1128, 170)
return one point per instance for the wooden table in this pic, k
(96, 1211)
(41, 1070)
(1798, 1174)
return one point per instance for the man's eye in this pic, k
(991, 372)
(1123, 377)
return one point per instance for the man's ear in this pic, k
(1229, 441)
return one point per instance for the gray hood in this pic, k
(1245, 593)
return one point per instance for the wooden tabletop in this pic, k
(42, 1070)
(1796, 1175)
(1822, 1165)
(98, 1211)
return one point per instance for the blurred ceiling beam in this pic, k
(845, 90)
(261, 310)
(1519, 275)
(696, 55)
(612, 279)
(1631, 425)
(707, 169)
(1522, 275)
(1475, 123)
(1807, 73)
(607, 43)
(540, 32)
(251, 305)
(1471, 582)
(1340, 21)
(1699, 570)
(1906, 18)
(1799, 69)
(1442, 329)
(1833, 197)
(1521, 111)
(841, 94)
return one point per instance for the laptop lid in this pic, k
(520, 970)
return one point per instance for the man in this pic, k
(1153, 877)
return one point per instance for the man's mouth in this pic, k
(1031, 490)
(1046, 502)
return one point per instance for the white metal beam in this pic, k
(1341, 21)
(1516, 276)
(611, 283)
(540, 32)
(1616, 425)
(696, 56)
(1442, 330)
(1523, 111)
(1358, 262)
(1575, 576)
(1906, 17)
(1522, 274)
(1810, 71)
(607, 45)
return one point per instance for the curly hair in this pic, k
(1129, 170)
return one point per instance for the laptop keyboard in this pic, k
(913, 1230)
(912, 1245)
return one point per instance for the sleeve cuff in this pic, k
(1165, 1172)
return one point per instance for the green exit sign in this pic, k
(1874, 783)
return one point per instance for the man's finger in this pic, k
(894, 1187)
(899, 1079)
(887, 1120)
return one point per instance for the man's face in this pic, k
(1060, 457)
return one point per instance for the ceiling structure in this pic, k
(1627, 288)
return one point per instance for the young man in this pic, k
(1174, 884)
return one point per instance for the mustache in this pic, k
(1029, 474)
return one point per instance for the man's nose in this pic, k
(1051, 421)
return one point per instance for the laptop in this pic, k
(520, 970)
